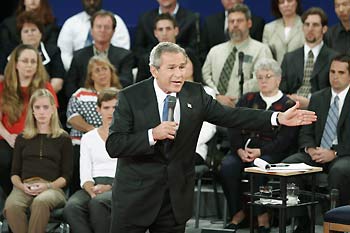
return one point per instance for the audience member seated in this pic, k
(9, 36)
(31, 31)
(24, 74)
(193, 73)
(325, 143)
(338, 36)
(285, 34)
(82, 116)
(42, 166)
(305, 70)
(89, 209)
(215, 28)
(145, 39)
(103, 25)
(221, 67)
(273, 145)
(76, 32)
(165, 30)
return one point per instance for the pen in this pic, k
(279, 165)
(247, 143)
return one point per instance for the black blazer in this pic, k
(144, 173)
(293, 70)
(122, 59)
(213, 33)
(9, 36)
(145, 39)
(311, 135)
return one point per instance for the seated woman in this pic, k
(285, 34)
(24, 74)
(272, 145)
(81, 111)
(88, 210)
(42, 165)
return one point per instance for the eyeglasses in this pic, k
(27, 61)
(266, 77)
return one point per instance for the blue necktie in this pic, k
(165, 109)
(330, 129)
(89, 39)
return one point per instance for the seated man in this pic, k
(88, 210)
(325, 143)
(103, 25)
(271, 145)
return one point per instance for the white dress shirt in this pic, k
(74, 33)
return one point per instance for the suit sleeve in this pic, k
(72, 79)
(125, 75)
(123, 141)
(284, 82)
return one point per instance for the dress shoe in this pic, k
(263, 229)
(232, 226)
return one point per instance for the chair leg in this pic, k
(292, 224)
(199, 189)
(216, 196)
(326, 227)
(225, 213)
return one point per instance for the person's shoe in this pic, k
(303, 225)
(232, 226)
(263, 229)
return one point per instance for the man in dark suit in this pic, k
(215, 31)
(154, 181)
(103, 24)
(334, 158)
(294, 63)
(186, 21)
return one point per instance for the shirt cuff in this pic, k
(150, 138)
(274, 119)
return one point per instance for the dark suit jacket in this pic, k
(311, 135)
(122, 59)
(143, 172)
(145, 39)
(293, 70)
(213, 33)
(9, 35)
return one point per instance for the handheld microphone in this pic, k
(171, 107)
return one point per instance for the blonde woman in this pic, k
(81, 111)
(24, 74)
(42, 165)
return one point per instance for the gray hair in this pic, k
(241, 8)
(163, 47)
(268, 64)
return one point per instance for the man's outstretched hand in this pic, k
(295, 116)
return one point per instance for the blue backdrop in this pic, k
(130, 10)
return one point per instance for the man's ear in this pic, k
(324, 29)
(176, 31)
(154, 71)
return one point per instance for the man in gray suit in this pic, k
(154, 181)
(305, 70)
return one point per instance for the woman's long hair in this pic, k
(44, 11)
(12, 99)
(101, 60)
(30, 128)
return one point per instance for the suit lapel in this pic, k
(150, 106)
(324, 108)
(320, 62)
(299, 64)
(344, 112)
(280, 31)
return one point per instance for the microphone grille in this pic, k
(171, 101)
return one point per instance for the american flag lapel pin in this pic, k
(189, 105)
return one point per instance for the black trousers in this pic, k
(164, 223)
(5, 166)
(338, 173)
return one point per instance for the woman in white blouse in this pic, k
(284, 34)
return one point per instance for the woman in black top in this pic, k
(41, 167)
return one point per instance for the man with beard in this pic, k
(221, 67)
(76, 32)
(338, 36)
(305, 70)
